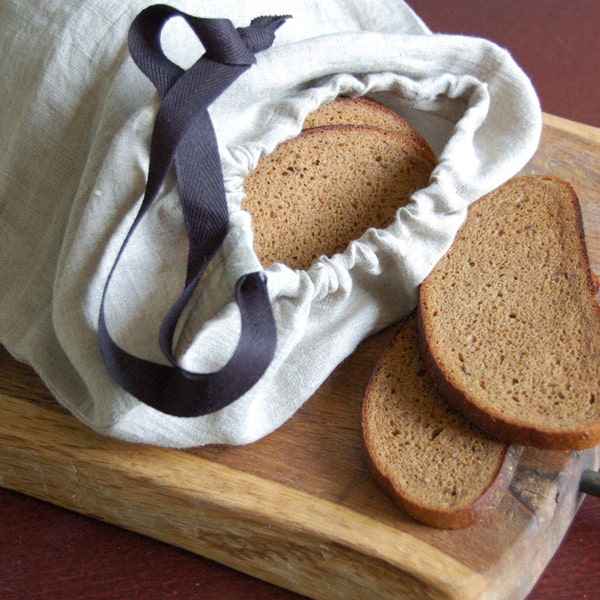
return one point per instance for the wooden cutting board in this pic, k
(299, 508)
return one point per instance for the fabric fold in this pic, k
(67, 204)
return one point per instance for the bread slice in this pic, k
(365, 111)
(439, 468)
(509, 321)
(317, 192)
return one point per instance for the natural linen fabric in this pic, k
(75, 125)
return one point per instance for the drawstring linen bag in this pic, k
(75, 164)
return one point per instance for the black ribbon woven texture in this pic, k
(184, 137)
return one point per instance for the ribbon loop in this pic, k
(183, 135)
(224, 44)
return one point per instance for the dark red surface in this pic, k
(47, 552)
(555, 42)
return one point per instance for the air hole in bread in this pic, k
(436, 432)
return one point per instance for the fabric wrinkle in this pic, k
(467, 97)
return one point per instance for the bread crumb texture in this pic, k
(428, 455)
(319, 191)
(510, 315)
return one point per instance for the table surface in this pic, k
(48, 552)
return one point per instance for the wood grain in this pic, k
(299, 507)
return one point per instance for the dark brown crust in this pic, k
(389, 112)
(495, 426)
(395, 135)
(449, 519)
(510, 432)
(460, 518)
(384, 110)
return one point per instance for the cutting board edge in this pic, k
(311, 587)
(104, 478)
(107, 479)
(560, 507)
(588, 132)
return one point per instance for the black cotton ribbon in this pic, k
(183, 137)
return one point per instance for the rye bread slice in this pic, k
(319, 191)
(365, 111)
(509, 320)
(438, 467)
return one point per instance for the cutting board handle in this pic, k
(590, 483)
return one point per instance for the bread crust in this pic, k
(511, 430)
(461, 518)
(362, 110)
(387, 473)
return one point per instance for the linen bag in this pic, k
(75, 131)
